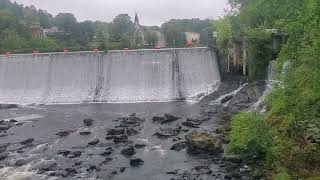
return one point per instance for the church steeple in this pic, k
(136, 21)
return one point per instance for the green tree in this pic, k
(121, 26)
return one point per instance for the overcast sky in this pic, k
(151, 12)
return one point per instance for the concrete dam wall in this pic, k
(113, 77)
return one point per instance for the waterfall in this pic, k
(113, 77)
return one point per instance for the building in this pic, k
(193, 37)
(138, 34)
(161, 40)
(36, 31)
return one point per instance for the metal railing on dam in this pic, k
(114, 77)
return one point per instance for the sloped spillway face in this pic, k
(23, 79)
(116, 76)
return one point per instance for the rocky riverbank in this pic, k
(143, 141)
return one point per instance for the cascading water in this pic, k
(116, 76)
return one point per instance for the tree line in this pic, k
(16, 20)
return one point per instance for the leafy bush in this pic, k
(249, 135)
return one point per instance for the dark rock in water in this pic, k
(4, 145)
(88, 122)
(166, 119)
(3, 135)
(13, 121)
(63, 133)
(167, 132)
(84, 133)
(21, 162)
(8, 106)
(139, 146)
(202, 170)
(114, 172)
(107, 153)
(132, 115)
(118, 139)
(191, 124)
(128, 152)
(232, 158)
(93, 142)
(27, 141)
(3, 157)
(19, 123)
(70, 171)
(122, 169)
(204, 141)
(74, 154)
(115, 131)
(228, 177)
(131, 121)
(91, 168)
(131, 132)
(1, 121)
(50, 165)
(179, 146)
(107, 160)
(226, 99)
(136, 162)
(4, 127)
(63, 152)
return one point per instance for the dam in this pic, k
(111, 77)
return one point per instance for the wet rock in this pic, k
(3, 134)
(12, 121)
(122, 169)
(107, 160)
(166, 119)
(229, 177)
(226, 99)
(131, 122)
(20, 162)
(5, 127)
(131, 132)
(19, 123)
(191, 124)
(114, 172)
(202, 170)
(107, 153)
(63, 152)
(88, 122)
(3, 157)
(128, 152)
(70, 172)
(167, 132)
(179, 146)
(204, 141)
(74, 154)
(49, 165)
(133, 115)
(232, 158)
(118, 139)
(1, 121)
(115, 131)
(93, 142)
(136, 162)
(84, 133)
(63, 133)
(139, 146)
(27, 141)
(92, 168)
(8, 106)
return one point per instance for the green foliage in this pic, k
(121, 26)
(224, 34)
(249, 135)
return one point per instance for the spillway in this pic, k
(112, 77)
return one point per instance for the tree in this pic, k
(66, 22)
(45, 19)
(121, 26)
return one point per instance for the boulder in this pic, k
(179, 146)
(204, 141)
(131, 132)
(115, 131)
(63, 133)
(84, 133)
(74, 154)
(88, 122)
(166, 119)
(27, 141)
(93, 142)
(128, 152)
(136, 162)
(139, 146)
(166, 132)
(191, 124)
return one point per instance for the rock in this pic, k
(118, 139)
(228, 177)
(226, 99)
(93, 142)
(19, 123)
(167, 132)
(63, 152)
(122, 169)
(84, 133)
(107, 160)
(27, 141)
(88, 122)
(3, 134)
(74, 154)
(131, 121)
(204, 141)
(132, 115)
(49, 165)
(139, 146)
(70, 171)
(131, 132)
(107, 153)
(21, 162)
(136, 162)
(115, 131)
(179, 146)
(12, 121)
(114, 172)
(4, 127)
(3, 157)
(166, 119)
(232, 158)
(8, 106)
(202, 170)
(191, 124)
(63, 133)
(128, 152)
(1, 121)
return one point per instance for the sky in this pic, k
(150, 12)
